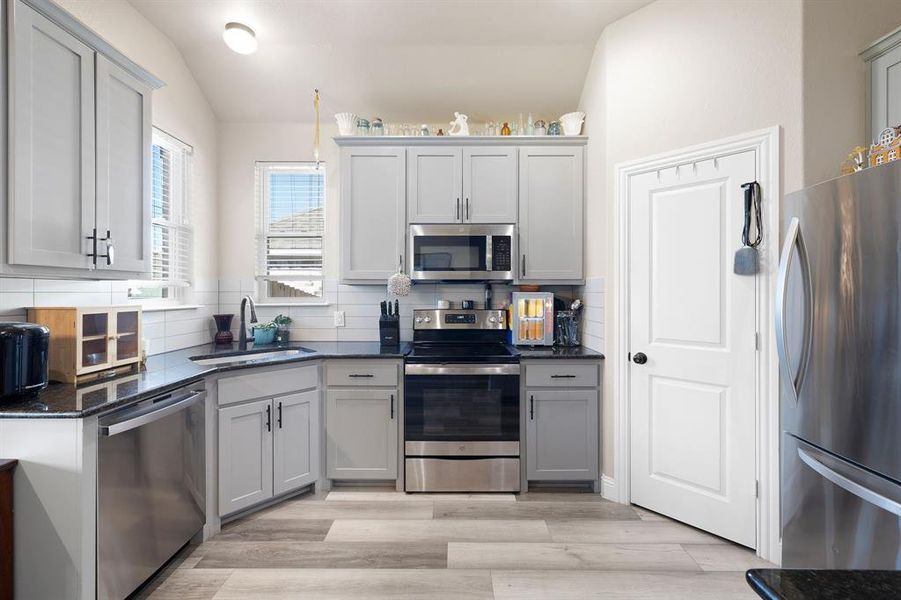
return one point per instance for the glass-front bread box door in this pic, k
(95, 339)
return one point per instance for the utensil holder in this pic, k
(389, 330)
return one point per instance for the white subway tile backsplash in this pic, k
(73, 286)
(71, 298)
(11, 284)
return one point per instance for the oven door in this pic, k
(462, 252)
(461, 410)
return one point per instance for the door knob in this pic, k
(640, 358)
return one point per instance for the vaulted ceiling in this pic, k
(403, 60)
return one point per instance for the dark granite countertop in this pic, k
(170, 370)
(808, 584)
(574, 352)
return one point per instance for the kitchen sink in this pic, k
(253, 356)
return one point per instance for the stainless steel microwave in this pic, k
(462, 252)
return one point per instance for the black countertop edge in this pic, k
(170, 370)
(826, 584)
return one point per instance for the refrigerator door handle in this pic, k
(845, 482)
(793, 240)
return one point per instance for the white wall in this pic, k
(674, 74)
(181, 109)
(835, 78)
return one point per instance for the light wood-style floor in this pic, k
(372, 543)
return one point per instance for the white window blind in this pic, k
(291, 229)
(171, 234)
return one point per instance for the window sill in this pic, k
(164, 308)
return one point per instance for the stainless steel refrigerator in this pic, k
(838, 330)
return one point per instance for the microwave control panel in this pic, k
(501, 250)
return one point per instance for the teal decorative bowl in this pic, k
(263, 336)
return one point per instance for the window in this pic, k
(291, 229)
(171, 234)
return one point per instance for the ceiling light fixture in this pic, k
(240, 38)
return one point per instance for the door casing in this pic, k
(765, 143)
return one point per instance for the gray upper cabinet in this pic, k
(362, 433)
(373, 184)
(550, 213)
(123, 167)
(884, 60)
(51, 208)
(245, 455)
(434, 180)
(562, 435)
(489, 184)
(80, 135)
(296, 441)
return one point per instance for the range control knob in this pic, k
(492, 319)
(428, 319)
(419, 319)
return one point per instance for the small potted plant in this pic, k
(282, 333)
(264, 333)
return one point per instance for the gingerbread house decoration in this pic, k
(886, 147)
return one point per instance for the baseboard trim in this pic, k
(609, 490)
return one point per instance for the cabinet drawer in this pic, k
(266, 384)
(561, 375)
(361, 374)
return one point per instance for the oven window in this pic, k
(463, 408)
(449, 253)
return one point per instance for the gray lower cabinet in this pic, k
(295, 444)
(562, 434)
(362, 427)
(267, 448)
(245, 455)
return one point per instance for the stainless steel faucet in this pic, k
(242, 336)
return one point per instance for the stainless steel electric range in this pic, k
(461, 404)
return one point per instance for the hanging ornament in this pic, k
(316, 131)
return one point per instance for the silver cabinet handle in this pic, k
(845, 482)
(367, 375)
(148, 414)
(467, 209)
(457, 210)
(563, 376)
(793, 240)
(523, 265)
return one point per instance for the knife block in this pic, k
(389, 330)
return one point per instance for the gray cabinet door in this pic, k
(489, 184)
(550, 213)
(245, 455)
(296, 441)
(51, 209)
(373, 184)
(562, 435)
(123, 167)
(885, 91)
(434, 180)
(362, 434)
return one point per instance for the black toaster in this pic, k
(24, 348)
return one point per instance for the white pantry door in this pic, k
(693, 400)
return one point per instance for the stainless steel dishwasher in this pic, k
(150, 487)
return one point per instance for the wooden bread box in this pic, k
(88, 343)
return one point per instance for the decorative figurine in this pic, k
(460, 125)
(505, 130)
(886, 147)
